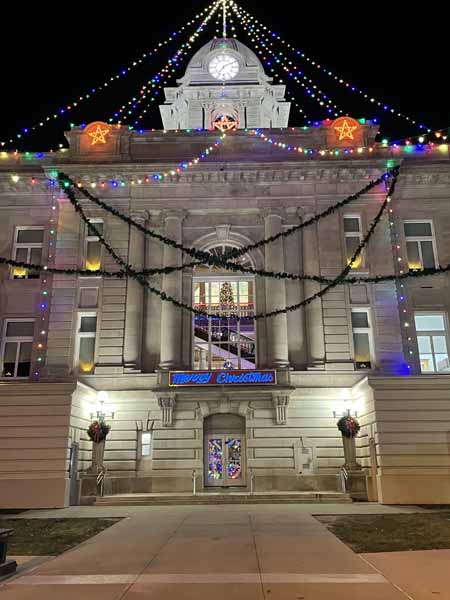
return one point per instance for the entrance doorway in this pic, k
(225, 451)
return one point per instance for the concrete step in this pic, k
(210, 498)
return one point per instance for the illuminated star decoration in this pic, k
(225, 123)
(98, 135)
(346, 131)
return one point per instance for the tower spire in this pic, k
(224, 6)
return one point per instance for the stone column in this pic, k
(172, 285)
(134, 299)
(313, 311)
(275, 293)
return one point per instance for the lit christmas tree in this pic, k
(226, 297)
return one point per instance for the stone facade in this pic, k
(244, 191)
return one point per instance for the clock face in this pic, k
(224, 67)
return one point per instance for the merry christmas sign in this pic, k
(226, 377)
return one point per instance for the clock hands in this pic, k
(225, 67)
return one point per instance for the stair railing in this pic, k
(194, 482)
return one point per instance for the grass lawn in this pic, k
(49, 537)
(391, 533)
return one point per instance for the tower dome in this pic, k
(205, 66)
(225, 87)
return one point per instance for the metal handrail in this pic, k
(252, 482)
(101, 482)
(344, 478)
(194, 482)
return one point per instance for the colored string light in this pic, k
(259, 28)
(395, 149)
(68, 108)
(399, 269)
(166, 72)
(149, 178)
(311, 90)
(44, 303)
(289, 147)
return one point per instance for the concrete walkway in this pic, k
(358, 508)
(212, 553)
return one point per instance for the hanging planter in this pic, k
(348, 426)
(97, 431)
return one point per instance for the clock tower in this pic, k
(225, 87)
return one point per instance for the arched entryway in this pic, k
(224, 450)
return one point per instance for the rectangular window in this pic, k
(353, 236)
(432, 340)
(85, 342)
(93, 251)
(28, 242)
(420, 245)
(146, 443)
(16, 348)
(362, 338)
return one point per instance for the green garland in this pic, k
(204, 257)
(130, 272)
(426, 272)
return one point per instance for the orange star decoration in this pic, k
(346, 129)
(225, 123)
(98, 135)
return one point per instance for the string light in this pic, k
(293, 71)
(327, 152)
(347, 85)
(46, 285)
(68, 108)
(154, 177)
(400, 291)
(166, 71)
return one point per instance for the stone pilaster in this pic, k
(313, 311)
(295, 293)
(171, 318)
(275, 292)
(134, 299)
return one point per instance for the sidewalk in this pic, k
(233, 553)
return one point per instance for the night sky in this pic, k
(49, 58)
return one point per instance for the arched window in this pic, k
(225, 341)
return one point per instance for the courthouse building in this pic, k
(244, 403)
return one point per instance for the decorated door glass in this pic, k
(224, 460)
(215, 460)
(234, 458)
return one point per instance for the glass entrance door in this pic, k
(224, 460)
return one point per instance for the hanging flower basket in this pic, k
(98, 430)
(348, 426)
